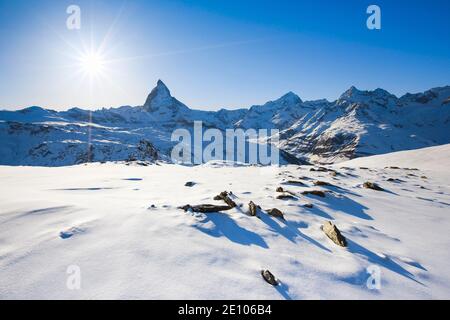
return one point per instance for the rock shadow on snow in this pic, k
(375, 259)
(222, 225)
(342, 203)
(283, 290)
(289, 231)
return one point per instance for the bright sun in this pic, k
(92, 63)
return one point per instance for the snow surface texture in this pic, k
(120, 225)
(359, 123)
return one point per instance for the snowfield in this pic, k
(100, 218)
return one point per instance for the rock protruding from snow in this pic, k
(66, 234)
(146, 151)
(276, 213)
(372, 185)
(322, 183)
(205, 208)
(318, 193)
(253, 209)
(189, 184)
(269, 277)
(334, 234)
(286, 196)
(295, 182)
(226, 198)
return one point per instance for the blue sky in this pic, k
(218, 53)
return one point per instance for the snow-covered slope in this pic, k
(120, 227)
(359, 123)
(429, 159)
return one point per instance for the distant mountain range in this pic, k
(359, 123)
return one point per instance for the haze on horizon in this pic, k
(214, 54)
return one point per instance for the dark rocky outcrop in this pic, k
(322, 183)
(295, 182)
(318, 193)
(269, 277)
(146, 151)
(394, 180)
(205, 208)
(253, 209)
(275, 213)
(226, 198)
(373, 186)
(285, 196)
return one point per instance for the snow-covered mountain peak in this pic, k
(159, 95)
(438, 96)
(162, 88)
(351, 92)
(382, 93)
(354, 93)
(289, 98)
(377, 96)
(162, 104)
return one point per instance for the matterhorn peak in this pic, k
(161, 103)
(160, 95)
(160, 92)
(161, 86)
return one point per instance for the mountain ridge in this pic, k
(356, 124)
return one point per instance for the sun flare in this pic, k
(92, 63)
